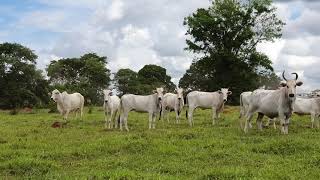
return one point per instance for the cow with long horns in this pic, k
(275, 104)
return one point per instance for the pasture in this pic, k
(30, 147)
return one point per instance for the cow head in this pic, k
(225, 92)
(159, 92)
(107, 93)
(179, 92)
(56, 95)
(291, 85)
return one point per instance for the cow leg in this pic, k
(110, 120)
(168, 115)
(274, 123)
(248, 122)
(190, 116)
(106, 118)
(312, 120)
(150, 120)
(287, 121)
(177, 115)
(214, 115)
(154, 120)
(66, 115)
(283, 123)
(123, 119)
(116, 119)
(259, 121)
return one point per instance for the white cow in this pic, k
(111, 105)
(278, 103)
(151, 104)
(173, 102)
(244, 105)
(306, 106)
(209, 100)
(67, 103)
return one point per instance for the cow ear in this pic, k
(175, 90)
(299, 83)
(229, 93)
(154, 91)
(283, 83)
(49, 94)
(110, 93)
(219, 91)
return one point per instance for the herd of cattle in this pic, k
(279, 103)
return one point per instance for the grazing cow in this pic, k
(306, 106)
(151, 104)
(278, 103)
(173, 102)
(67, 103)
(111, 105)
(209, 100)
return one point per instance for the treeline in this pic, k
(223, 38)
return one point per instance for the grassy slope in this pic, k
(30, 147)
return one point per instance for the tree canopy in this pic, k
(224, 39)
(21, 83)
(87, 75)
(144, 81)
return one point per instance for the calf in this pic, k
(151, 104)
(209, 100)
(173, 102)
(67, 103)
(111, 105)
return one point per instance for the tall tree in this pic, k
(87, 75)
(225, 37)
(126, 81)
(147, 79)
(21, 83)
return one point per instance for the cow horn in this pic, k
(296, 75)
(283, 76)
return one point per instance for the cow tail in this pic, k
(187, 107)
(160, 112)
(120, 109)
(241, 106)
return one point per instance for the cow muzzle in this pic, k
(224, 100)
(291, 95)
(159, 98)
(106, 101)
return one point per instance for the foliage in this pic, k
(147, 79)
(225, 37)
(31, 149)
(21, 83)
(87, 75)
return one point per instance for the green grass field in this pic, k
(31, 148)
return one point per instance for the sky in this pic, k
(132, 33)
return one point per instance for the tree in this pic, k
(87, 75)
(147, 79)
(21, 83)
(126, 81)
(152, 76)
(225, 37)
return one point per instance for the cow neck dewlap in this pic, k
(60, 102)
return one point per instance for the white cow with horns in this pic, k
(209, 100)
(278, 103)
(67, 103)
(173, 102)
(111, 106)
(151, 104)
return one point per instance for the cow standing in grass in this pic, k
(244, 105)
(151, 104)
(173, 102)
(306, 106)
(212, 100)
(67, 103)
(111, 108)
(278, 103)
